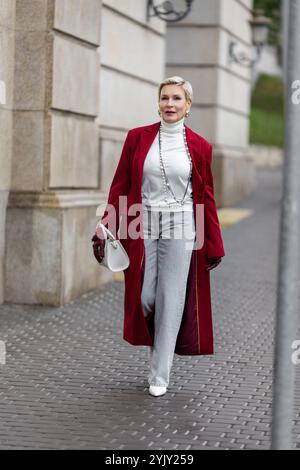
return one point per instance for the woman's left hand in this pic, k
(98, 248)
(213, 262)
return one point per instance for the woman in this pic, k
(165, 173)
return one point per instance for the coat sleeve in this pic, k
(120, 186)
(212, 231)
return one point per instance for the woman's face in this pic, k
(173, 104)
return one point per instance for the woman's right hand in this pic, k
(98, 247)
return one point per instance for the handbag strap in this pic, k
(107, 232)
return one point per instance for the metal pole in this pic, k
(288, 271)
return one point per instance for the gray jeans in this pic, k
(167, 262)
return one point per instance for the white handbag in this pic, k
(115, 256)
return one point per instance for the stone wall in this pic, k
(78, 74)
(54, 170)
(7, 63)
(198, 48)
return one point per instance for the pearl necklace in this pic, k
(163, 172)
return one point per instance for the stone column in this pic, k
(54, 179)
(132, 66)
(197, 48)
(7, 39)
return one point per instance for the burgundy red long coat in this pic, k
(195, 336)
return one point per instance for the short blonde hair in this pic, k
(187, 87)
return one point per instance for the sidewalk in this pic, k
(71, 381)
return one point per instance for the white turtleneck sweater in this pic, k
(177, 168)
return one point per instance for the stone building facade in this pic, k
(75, 76)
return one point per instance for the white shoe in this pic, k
(157, 390)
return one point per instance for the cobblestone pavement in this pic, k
(71, 381)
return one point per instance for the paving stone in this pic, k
(71, 382)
